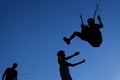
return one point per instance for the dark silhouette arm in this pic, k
(4, 74)
(76, 63)
(69, 57)
(100, 22)
(82, 25)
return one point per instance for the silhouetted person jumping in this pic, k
(10, 73)
(90, 32)
(64, 65)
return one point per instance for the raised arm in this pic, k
(101, 24)
(69, 57)
(82, 24)
(76, 63)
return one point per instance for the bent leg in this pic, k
(67, 40)
(78, 34)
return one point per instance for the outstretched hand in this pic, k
(99, 17)
(76, 53)
(83, 61)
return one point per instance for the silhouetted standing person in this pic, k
(64, 65)
(10, 73)
(90, 32)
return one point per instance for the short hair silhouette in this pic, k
(61, 53)
(10, 73)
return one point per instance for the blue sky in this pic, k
(31, 33)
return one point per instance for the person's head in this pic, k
(91, 21)
(61, 55)
(14, 65)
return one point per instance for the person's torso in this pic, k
(11, 74)
(64, 69)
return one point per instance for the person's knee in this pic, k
(78, 34)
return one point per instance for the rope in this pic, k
(97, 8)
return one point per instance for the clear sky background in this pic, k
(32, 31)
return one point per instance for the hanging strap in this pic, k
(81, 18)
(96, 8)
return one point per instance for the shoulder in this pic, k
(8, 69)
